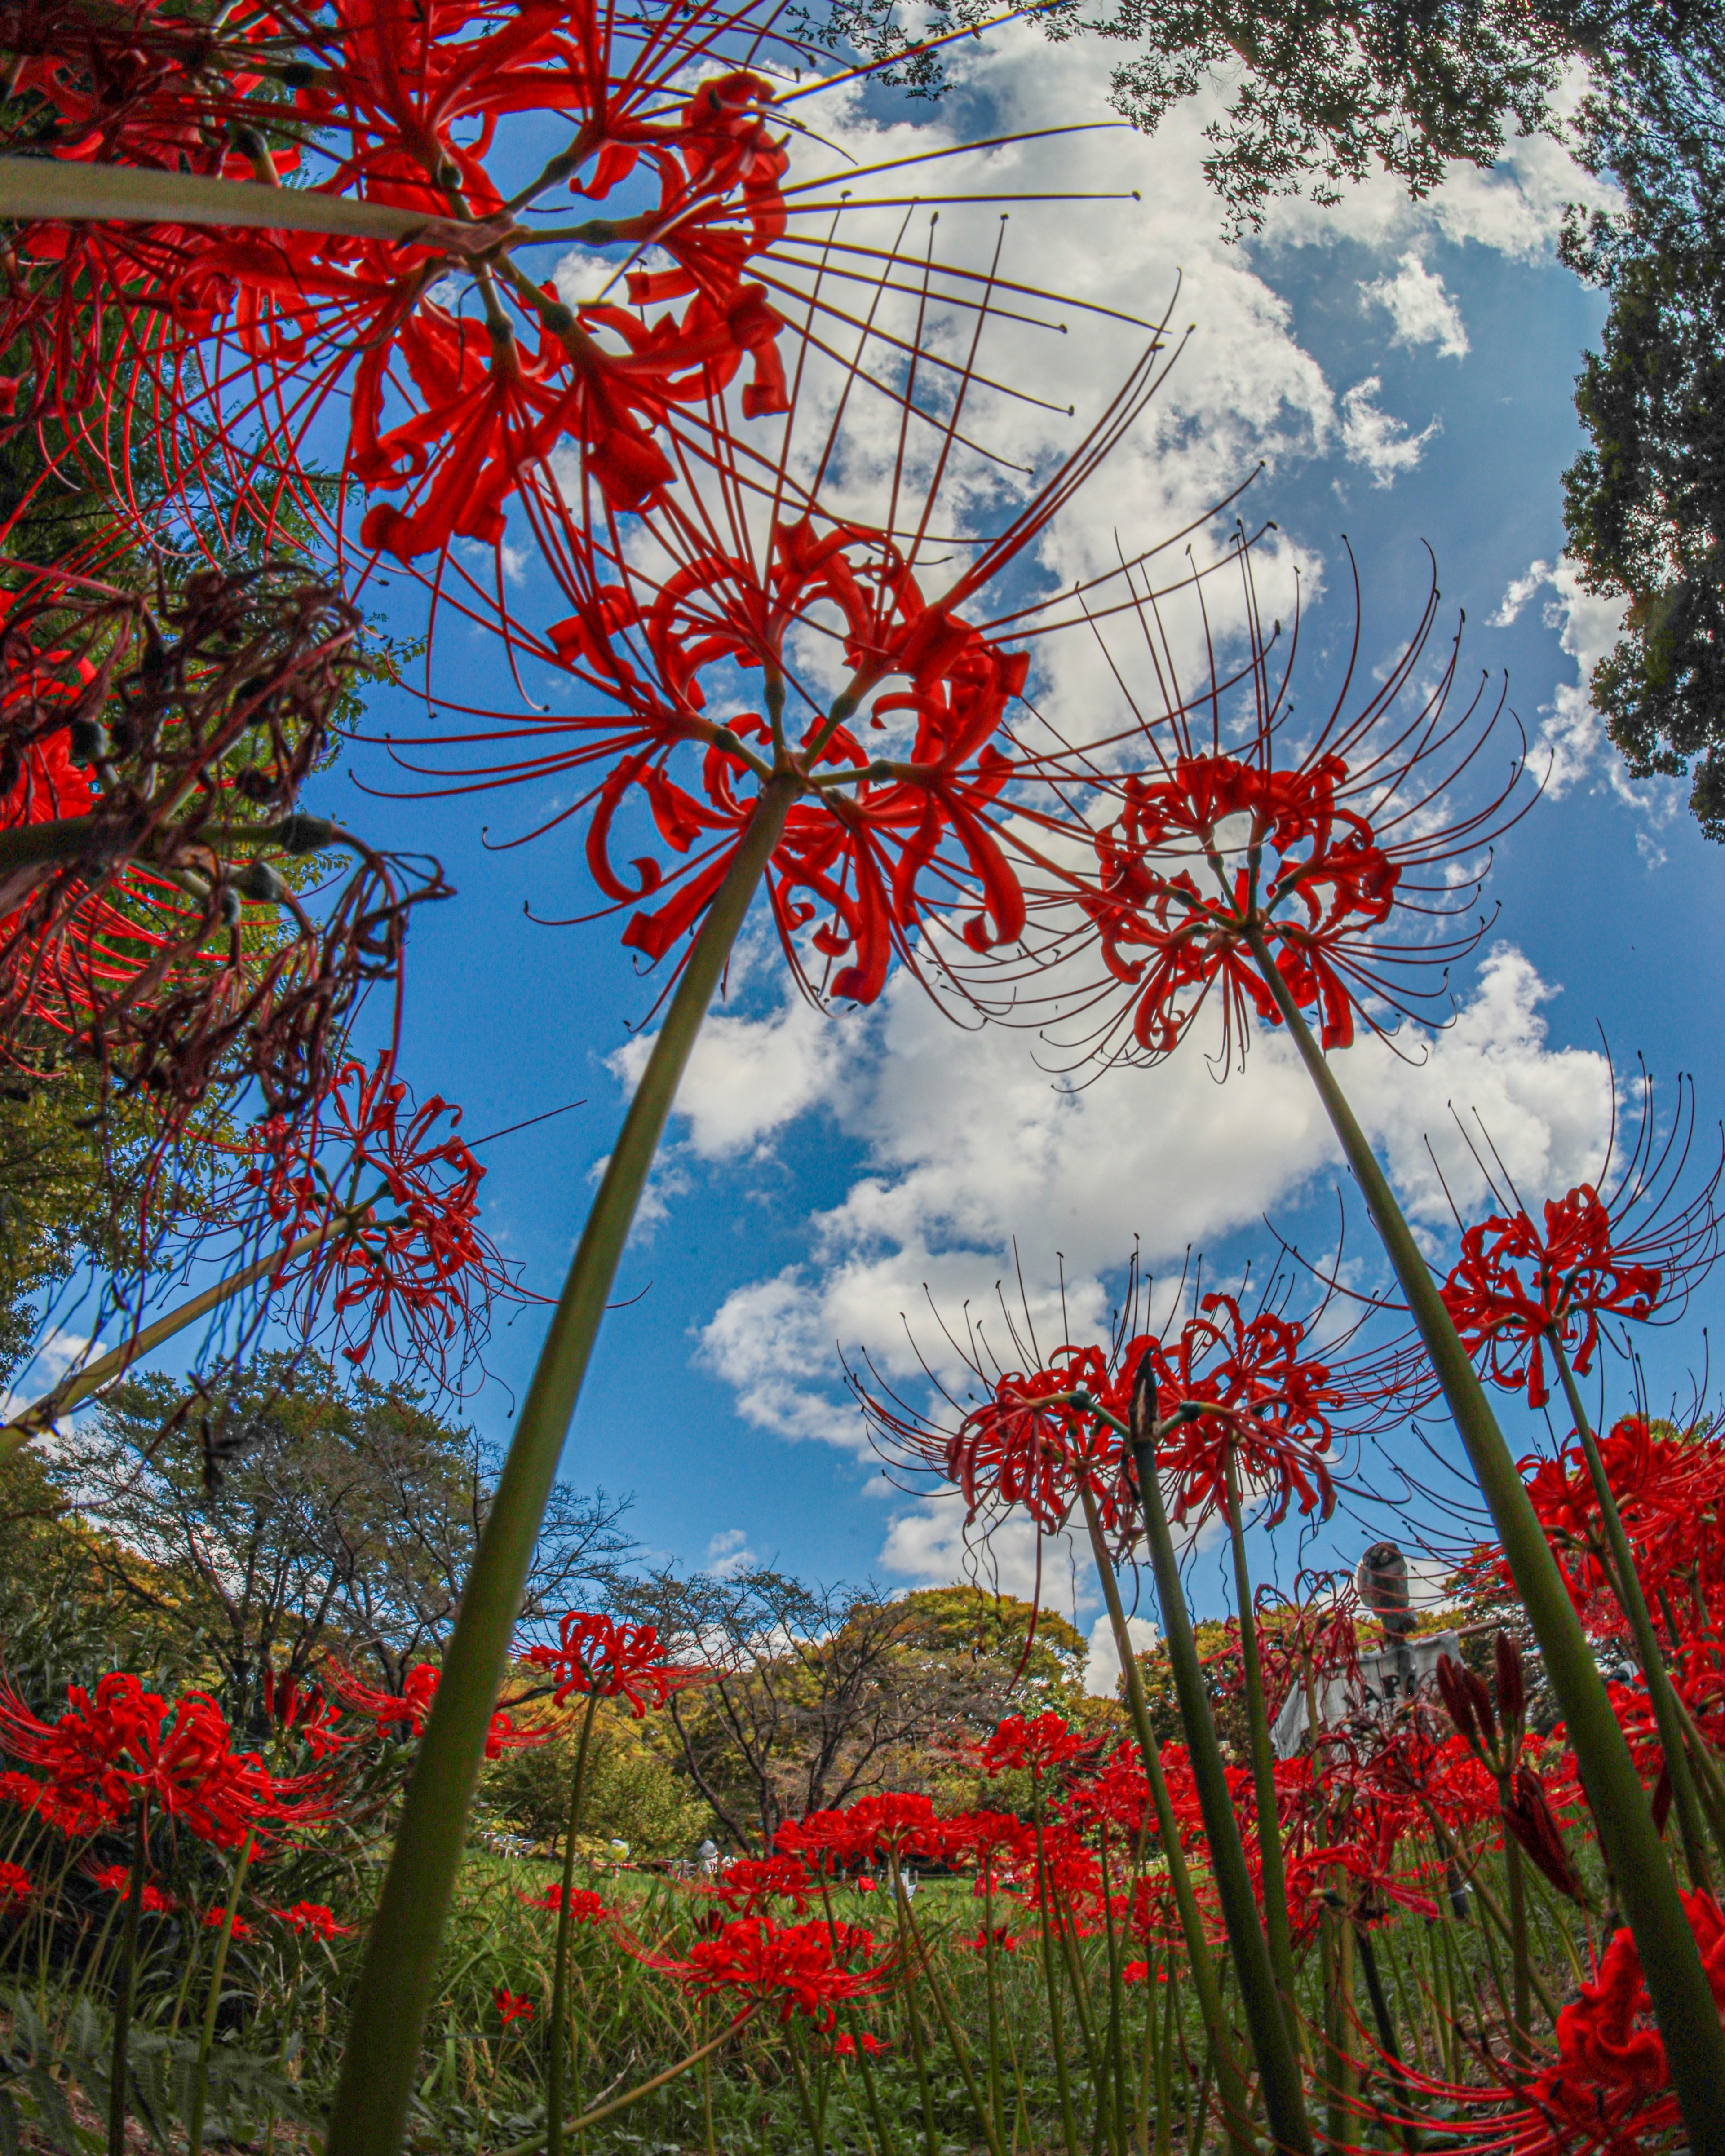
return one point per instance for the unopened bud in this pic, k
(1511, 1687)
(261, 884)
(87, 740)
(304, 835)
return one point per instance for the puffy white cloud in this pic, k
(979, 1168)
(1101, 1671)
(1421, 308)
(1572, 739)
(748, 1077)
(1377, 440)
(728, 1554)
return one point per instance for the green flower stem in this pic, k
(126, 1990)
(1278, 2062)
(1275, 1879)
(63, 190)
(1493, 1908)
(949, 2022)
(1230, 2087)
(559, 1970)
(395, 1983)
(1521, 1964)
(1386, 2031)
(535, 2142)
(207, 2034)
(1627, 1584)
(913, 2019)
(1056, 2026)
(42, 1414)
(1671, 1961)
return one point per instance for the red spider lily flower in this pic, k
(1264, 1405)
(1117, 1794)
(585, 1906)
(1043, 1744)
(316, 1919)
(1599, 1263)
(216, 1920)
(811, 1969)
(1340, 854)
(901, 1823)
(749, 1886)
(1003, 1939)
(116, 1879)
(1033, 1446)
(1139, 1972)
(846, 2046)
(412, 1705)
(512, 2005)
(1225, 1382)
(1607, 2086)
(399, 1199)
(594, 1655)
(15, 1885)
(124, 1747)
(302, 1713)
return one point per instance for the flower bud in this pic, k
(1511, 1688)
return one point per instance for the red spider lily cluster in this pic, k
(376, 1204)
(1229, 1385)
(596, 1655)
(811, 1969)
(122, 1752)
(408, 1709)
(1519, 1293)
(1221, 851)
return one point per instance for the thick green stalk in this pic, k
(125, 1990)
(1627, 1585)
(207, 2034)
(1275, 1881)
(42, 1414)
(560, 1971)
(1231, 2090)
(1671, 1961)
(395, 1983)
(64, 190)
(1278, 2063)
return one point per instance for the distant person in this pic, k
(707, 1856)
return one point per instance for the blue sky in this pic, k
(1405, 372)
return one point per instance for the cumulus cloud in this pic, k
(1101, 1670)
(1421, 309)
(978, 1168)
(1377, 440)
(728, 1554)
(1572, 738)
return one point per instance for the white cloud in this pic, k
(59, 1354)
(1572, 739)
(1377, 440)
(1421, 308)
(1102, 1670)
(972, 1150)
(728, 1554)
(747, 1077)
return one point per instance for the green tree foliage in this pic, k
(290, 1515)
(1644, 504)
(824, 1692)
(635, 1790)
